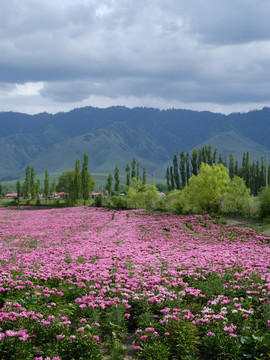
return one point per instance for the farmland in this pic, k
(76, 283)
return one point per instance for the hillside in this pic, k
(115, 135)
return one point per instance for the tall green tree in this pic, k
(168, 179)
(176, 172)
(127, 175)
(85, 179)
(246, 169)
(215, 156)
(183, 169)
(194, 162)
(220, 159)
(172, 178)
(133, 168)
(46, 184)
(236, 169)
(209, 155)
(138, 171)
(18, 189)
(26, 184)
(109, 183)
(117, 179)
(144, 176)
(53, 187)
(32, 184)
(187, 167)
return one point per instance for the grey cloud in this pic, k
(190, 51)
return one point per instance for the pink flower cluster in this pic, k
(115, 259)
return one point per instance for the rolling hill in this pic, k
(117, 134)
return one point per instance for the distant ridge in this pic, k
(117, 134)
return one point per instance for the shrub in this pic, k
(264, 208)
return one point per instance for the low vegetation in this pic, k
(76, 283)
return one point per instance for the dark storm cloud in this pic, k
(184, 51)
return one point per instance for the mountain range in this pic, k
(117, 134)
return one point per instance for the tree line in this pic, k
(132, 172)
(76, 183)
(182, 168)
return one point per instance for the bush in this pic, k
(98, 201)
(119, 202)
(264, 208)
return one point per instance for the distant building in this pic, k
(11, 196)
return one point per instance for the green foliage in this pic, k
(264, 202)
(141, 196)
(75, 182)
(86, 179)
(76, 193)
(237, 198)
(116, 178)
(46, 183)
(65, 181)
(204, 190)
(127, 174)
(98, 201)
(26, 184)
(119, 202)
(173, 202)
(183, 340)
(109, 183)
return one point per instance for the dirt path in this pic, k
(248, 223)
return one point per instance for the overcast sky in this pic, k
(56, 55)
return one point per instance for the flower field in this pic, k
(75, 283)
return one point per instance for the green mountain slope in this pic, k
(115, 135)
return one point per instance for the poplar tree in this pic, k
(144, 176)
(194, 163)
(168, 179)
(176, 172)
(109, 183)
(116, 178)
(46, 184)
(220, 160)
(85, 179)
(236, 170)
(18, 189)
(52, 188)
(133, 168)
(246, 169)
(187, 167)
(183, 168)
(199, 160)
(127, 175)
(26, 184)
(138, 171)
(209, 155)
(32, 183)
(215, 156)
(172, 177)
